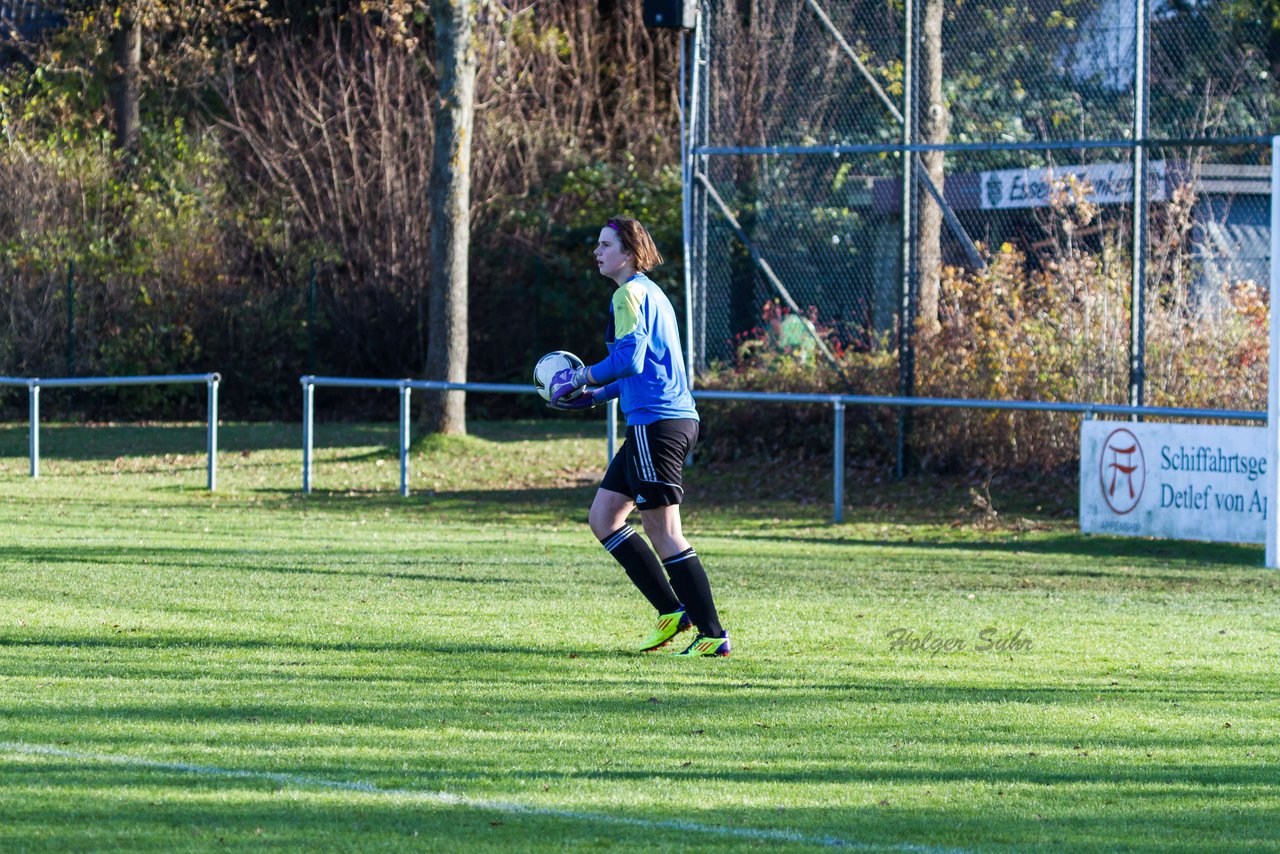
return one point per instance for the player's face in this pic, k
(611, 259)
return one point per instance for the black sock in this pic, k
(642, 568)
(690, 583)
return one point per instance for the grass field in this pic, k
(350, 670)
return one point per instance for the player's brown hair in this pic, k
(637, 242)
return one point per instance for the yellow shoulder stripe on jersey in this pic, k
(626, 308)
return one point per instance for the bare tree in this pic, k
(935, 126)
(544, 105)
(126, 73)
(331, 132)
(450, 195)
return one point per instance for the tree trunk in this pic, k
(450, 194)
(126, 56)
(934, 129)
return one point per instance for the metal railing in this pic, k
(405, 388)
(34, 384)
(837, 402)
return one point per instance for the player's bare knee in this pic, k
(607, 515)
(602, 526)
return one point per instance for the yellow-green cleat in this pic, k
(669, 625)
(703, 645)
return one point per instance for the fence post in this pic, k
(213, 431)
(1141, 208)
(33, 395)
(1272, 553)
(838, 478)
(311, 319)
(910, 215)
(405, 391)
(308, 408)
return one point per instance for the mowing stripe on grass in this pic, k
(450, 799)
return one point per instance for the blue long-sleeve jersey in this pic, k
(645, 366)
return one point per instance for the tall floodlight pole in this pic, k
(1137, 299)
(688, 117)
(699, 135)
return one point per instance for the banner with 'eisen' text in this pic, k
(1176, 481)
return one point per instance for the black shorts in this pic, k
(648, 467)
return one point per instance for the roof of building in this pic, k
(27, 19)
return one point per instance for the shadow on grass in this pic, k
(547, 696)
(480, 505)
(538, 692)
(1016, 766)
(562, 675)
(568, 505)
(565, 503)
(430, 809)
(543, 691)
(331, 563)
(107, 442)
(1244, 556)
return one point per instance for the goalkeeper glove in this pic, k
(573, 377)
(586, 400)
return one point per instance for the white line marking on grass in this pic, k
(450, 799)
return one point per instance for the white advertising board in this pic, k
(1106, 184)
(1176, 481)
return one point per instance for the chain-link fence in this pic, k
(859, 162)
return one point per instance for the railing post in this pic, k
(213, 432)
(838, 474)
(33, 394)
(308, 408)
(404, 439)
(611, 430)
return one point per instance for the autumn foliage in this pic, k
(1052, 333)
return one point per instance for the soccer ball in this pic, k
(550, 365)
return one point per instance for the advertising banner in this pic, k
(1176, 481)
(1106, 184)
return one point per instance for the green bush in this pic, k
(168, 276)
(772, 358)
(1056, 334)
(1061, 334)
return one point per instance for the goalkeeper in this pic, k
(645, 371)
